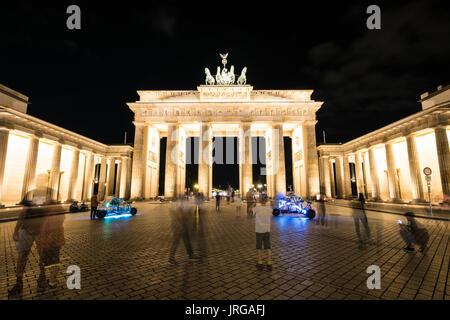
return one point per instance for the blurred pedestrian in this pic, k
(238, 206)
(181, 214)
(48, 244)
(250, 199)
(359, 214)
(28, 227)
(412, 232)
(321, 210)
(218, 201)
(263, 214)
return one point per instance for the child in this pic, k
(263, 214)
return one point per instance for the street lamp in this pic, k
(259, 186)
(196, 186)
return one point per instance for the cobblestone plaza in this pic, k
(127, 258)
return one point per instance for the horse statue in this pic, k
(242, 78)
(231, 75)
(218, 76)
(209, 78)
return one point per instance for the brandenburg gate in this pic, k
(226, 108)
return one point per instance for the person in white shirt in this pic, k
(263, 215)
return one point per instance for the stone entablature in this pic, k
(225, 103)
(226, 93)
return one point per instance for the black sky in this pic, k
(82, 79)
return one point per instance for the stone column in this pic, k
(246, 160)
(295, 177)
(394, 192)
(170, 178)
(414, 169)
(332, 180)
(29, 178)
(310, 159)
(444, 160)
(139, 153)
(327, 176)
(111, 175)
(374, 175)
(368, 183)
(55, 172)
(128, 181)
(347, 178)
(73, 178)
(204, 158)
(269, 162)
(339, 178)
(89, 177)
(4, 137)
(321, 173)
(118, 179)
(123, 177)
(279, 172)
(102, 179)
(359, 174)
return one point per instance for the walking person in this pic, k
(218, 201)
(181, 213)
(250, 199)
(359, 214)
(412, 232)
(48, 244)
(238, 206)
(263, 215)
(94, 204)
(25, 233)
(321, 210)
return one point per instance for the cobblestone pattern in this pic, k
(127, 258)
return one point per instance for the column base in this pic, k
(396, 200)
(418, 201)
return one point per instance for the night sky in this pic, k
(81, 79)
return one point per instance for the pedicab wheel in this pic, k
(311, 214)
(276, 212)
(100, 214)
(133, 211)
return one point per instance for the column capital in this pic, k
(139, 124)
(440, 126)
(309, 123)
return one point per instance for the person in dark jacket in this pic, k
(94, 204)
(359, 214)
(181, 215)
(412, 233)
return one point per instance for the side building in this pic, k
(39, 160)
(387, 165)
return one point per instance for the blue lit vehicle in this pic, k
(114, 206)
(292, 204)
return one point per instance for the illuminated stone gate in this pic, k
(222, 108)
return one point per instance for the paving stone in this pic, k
(127, 258)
